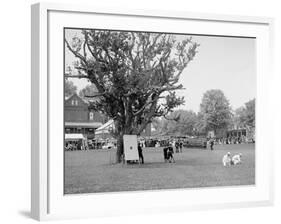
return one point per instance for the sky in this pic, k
(225, 63)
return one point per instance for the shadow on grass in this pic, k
(153, 164)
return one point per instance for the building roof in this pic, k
(83, 124)
(86, 99)
(105, 127)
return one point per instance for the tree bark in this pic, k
(120, 144)
(120, 149)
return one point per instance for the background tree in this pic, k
(88, 91)
(200, 125)
(136, 75)
(157, 126)
(69, 88)
(246, 115)
(215, 112)
(179, 122)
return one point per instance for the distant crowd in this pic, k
(176, 142)
(233, 140)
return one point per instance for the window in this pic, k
(74, 102)
(91, 116)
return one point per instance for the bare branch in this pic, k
(146, 105)
(76, 54)
(76, 76)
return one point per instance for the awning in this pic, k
(104, 129)
(83, 124)
(74, 136)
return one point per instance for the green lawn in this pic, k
(91, 171)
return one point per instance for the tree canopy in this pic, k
(88, 91)
(215, 112)
(135, 73)
(179, 122)
(246, 114)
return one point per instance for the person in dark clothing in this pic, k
(165, 152)
(140, 154)
(177, 145)
(181, 144)
(212, 144)
(170, 153)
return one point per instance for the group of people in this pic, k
(227, 160)
(167, 152)
(72, 146)
(233, 140)
(213, 141)
(178, 145)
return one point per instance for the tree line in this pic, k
(215, 114)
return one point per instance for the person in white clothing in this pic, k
(236, 159)
(226, 159)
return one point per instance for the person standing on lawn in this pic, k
(212, 143)
(170, 153)
(181, 144)
(165, 153)
(177, 145)
(140, 153)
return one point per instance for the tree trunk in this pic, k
(120, 149)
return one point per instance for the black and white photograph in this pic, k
(154, 111)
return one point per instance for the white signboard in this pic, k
(211, 134)
(131, 147)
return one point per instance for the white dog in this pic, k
(226, 159)
(236, 159)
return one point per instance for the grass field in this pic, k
(91, 171)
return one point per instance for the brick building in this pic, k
(79, 118)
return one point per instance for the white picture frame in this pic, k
(47, 199)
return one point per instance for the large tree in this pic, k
(245, 116)
(136, 75)
(215, 112)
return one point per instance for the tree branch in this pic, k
(144, 106)
(76, 76)
(76, 54)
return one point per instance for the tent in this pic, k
(105, 127)
(74, 137)
(104, 130)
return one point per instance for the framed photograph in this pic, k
(139, 111)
